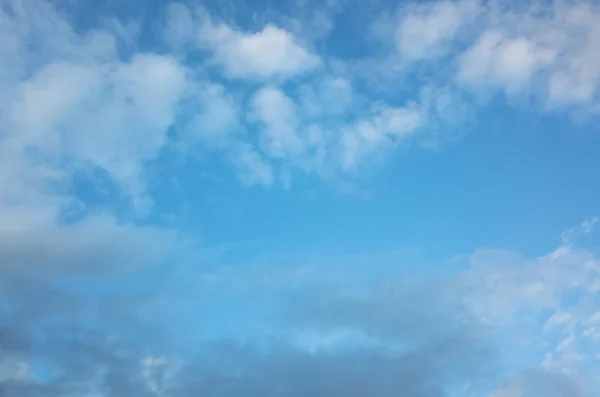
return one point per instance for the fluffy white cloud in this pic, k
(495, 49)
(550, 55)
(333, 96)
(75, 102)
(215, 116)
(72, 106)
(277, 112)
(502, 61)
(269, 53)
(429, 30)
(79, 105)
(514, 296)
(507, 281)
(113, 116)
(546, 52)
(575, 79)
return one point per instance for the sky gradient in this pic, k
(299, 198)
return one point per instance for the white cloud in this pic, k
(588, 225)
(548, 52)
(504, 281)
(331, 97)
(269, 53)
(575, 79)
(561, 319)
(594, 318)
(566, 344)
(311, 127)
(513, 295)
(71, 105)
(157, 372)
(251, 167)
(571, 235)
(114, 116)
(215, 117)
(592, 333)
(277, 112)
(381, 131)
(77, 103)
(499, 60)
(180, 25)
(429, 30)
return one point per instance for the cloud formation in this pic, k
(423, 336)
(88, 306)
(270, 53)
(547, 57)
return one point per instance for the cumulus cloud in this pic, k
(549, 55)
(277, 113)
(337, 122)
(272, 52)
(269, 53)
(114, 117)
(81, 105)
(508, 63)
(429, 30)
(542, 52)
(214, 121)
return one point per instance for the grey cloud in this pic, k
(294, 374)
(438, 351)
(429, 344)
(97, 245)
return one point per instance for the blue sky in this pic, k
(299, 198)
